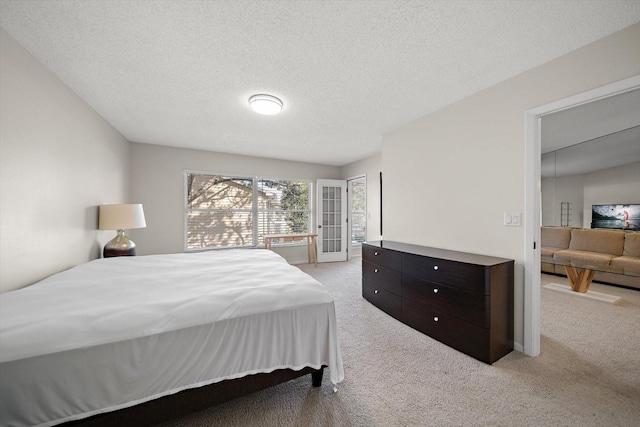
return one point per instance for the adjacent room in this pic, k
(590, 168)
(332, 213)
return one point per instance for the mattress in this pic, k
(120, 331)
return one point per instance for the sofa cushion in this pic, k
(631, 244)
(627, 265)
(547, 268)
(583, 258)
(602, 241)
(555, 237)
(547, 252)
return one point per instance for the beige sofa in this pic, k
(607, 248)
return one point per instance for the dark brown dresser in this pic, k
(462, 300)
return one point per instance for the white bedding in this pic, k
(119, 331)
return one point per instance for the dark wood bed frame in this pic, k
(196, 399)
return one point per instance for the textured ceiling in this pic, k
(590, 121)
(613, 150)
(594, 136)
(179, 73)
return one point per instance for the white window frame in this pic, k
(255, 210)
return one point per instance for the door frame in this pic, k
(533, 149)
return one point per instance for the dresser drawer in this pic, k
(460, 299)
(418, 294)
(382, 276)
(383, 257)
(453, 332)
(466, 277)
(383, 299)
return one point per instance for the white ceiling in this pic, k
(179, 73)
(594, 136)
(591, 120)
(613, 150)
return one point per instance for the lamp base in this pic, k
(119, 246)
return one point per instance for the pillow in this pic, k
(602, 241)
(555, 237)
(632, 244)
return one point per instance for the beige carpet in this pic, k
(587, 375)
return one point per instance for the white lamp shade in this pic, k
(121, 217)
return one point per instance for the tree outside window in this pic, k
(225, 211)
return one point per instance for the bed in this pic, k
(118, 332)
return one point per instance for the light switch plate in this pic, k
(512, 219)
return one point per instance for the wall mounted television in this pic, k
(621, 217)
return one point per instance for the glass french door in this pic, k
(332, 220)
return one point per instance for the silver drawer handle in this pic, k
(375, 254)
(375, 292)
(375, 270)
(435, 319)
(435, 267)
(435, 291)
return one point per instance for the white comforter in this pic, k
(119, 331)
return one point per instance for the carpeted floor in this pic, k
(588, 373)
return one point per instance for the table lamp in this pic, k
(120, 218)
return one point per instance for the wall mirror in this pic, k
(591, 156)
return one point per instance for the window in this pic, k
(228, 211)
(358, 196)
(283, 207)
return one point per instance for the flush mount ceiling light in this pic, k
(265, 104)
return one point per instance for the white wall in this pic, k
(611, 186)
(157, 181)
(371, 168)
(619, 185)
(450, 176)
(58, 160)
(562, 189)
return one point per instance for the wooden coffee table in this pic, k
(580, 277)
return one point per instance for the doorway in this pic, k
(533, 152)
(357, 195)
(332, 220)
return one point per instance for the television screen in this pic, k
(626, 217)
